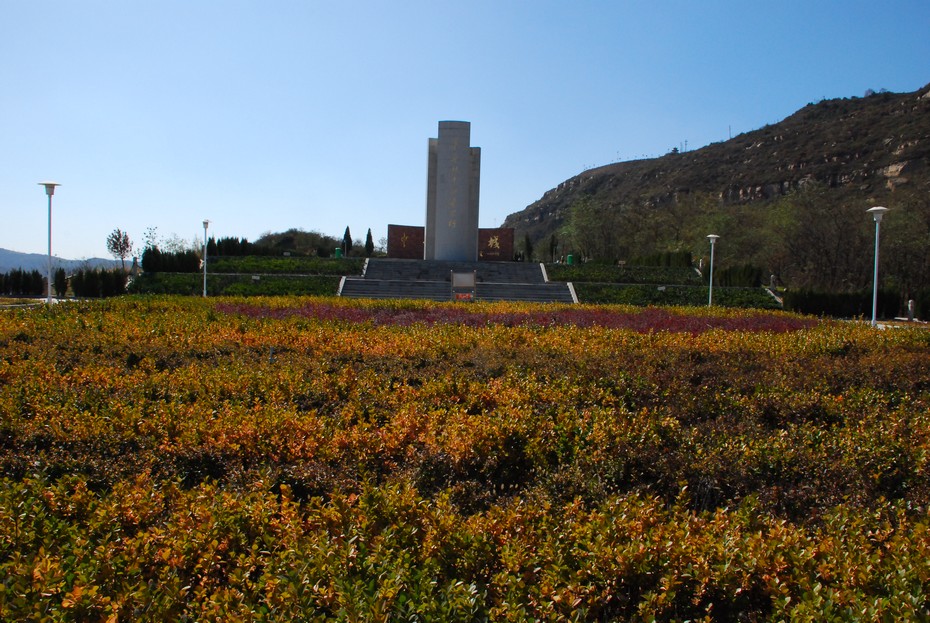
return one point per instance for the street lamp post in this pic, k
(49, 190)
(710, 288)
(877, 212)
(205, 224)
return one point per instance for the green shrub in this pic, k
(605, 273)
(314, 285)
(609, 293)
(679, 259)
(167, 283)
(235, 285)
(296, 265)
(23, 283)
(94, 283)
(745, 276)
(155, 260)
(842, 304)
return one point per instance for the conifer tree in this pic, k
(369, 244)
(60, 282)
(347, 243)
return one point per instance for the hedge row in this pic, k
(234, 285)
(608, 293)
(98, 283)
(843, 304)
(601, 273)
(155, 260)
(293, 265)
(22, 283)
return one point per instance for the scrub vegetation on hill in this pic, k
(789, 199)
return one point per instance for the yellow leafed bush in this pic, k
(323, 459)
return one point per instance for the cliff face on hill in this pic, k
(857, 149)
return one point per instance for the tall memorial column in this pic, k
(452, 195)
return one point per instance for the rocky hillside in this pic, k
(855, 150)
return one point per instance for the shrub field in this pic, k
(318, 459)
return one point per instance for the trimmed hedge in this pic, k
(154, 260)
(94, 283)
(240, 285)
(304, 265)
(681, 259)
(695, 296)
(842, 304)
(602, 273)
(22, 283)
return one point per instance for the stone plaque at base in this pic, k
(405, 242)
(495, 245)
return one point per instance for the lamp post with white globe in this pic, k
(710, 288)
(206, 223)
(877, 213)
(49, 190)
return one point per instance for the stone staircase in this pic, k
(431, 279)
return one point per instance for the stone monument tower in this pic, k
(452, 195)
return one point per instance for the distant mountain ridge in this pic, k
(14, 260)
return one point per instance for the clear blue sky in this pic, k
(267, 115)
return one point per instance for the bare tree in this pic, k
(119, 245)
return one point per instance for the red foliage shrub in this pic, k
(642, 320)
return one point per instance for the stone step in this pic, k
(530, 292)
(354, 287)
(435, 270)
(432, 280)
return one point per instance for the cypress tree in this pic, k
(347, 242)
(369, 244)
(61, 282)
